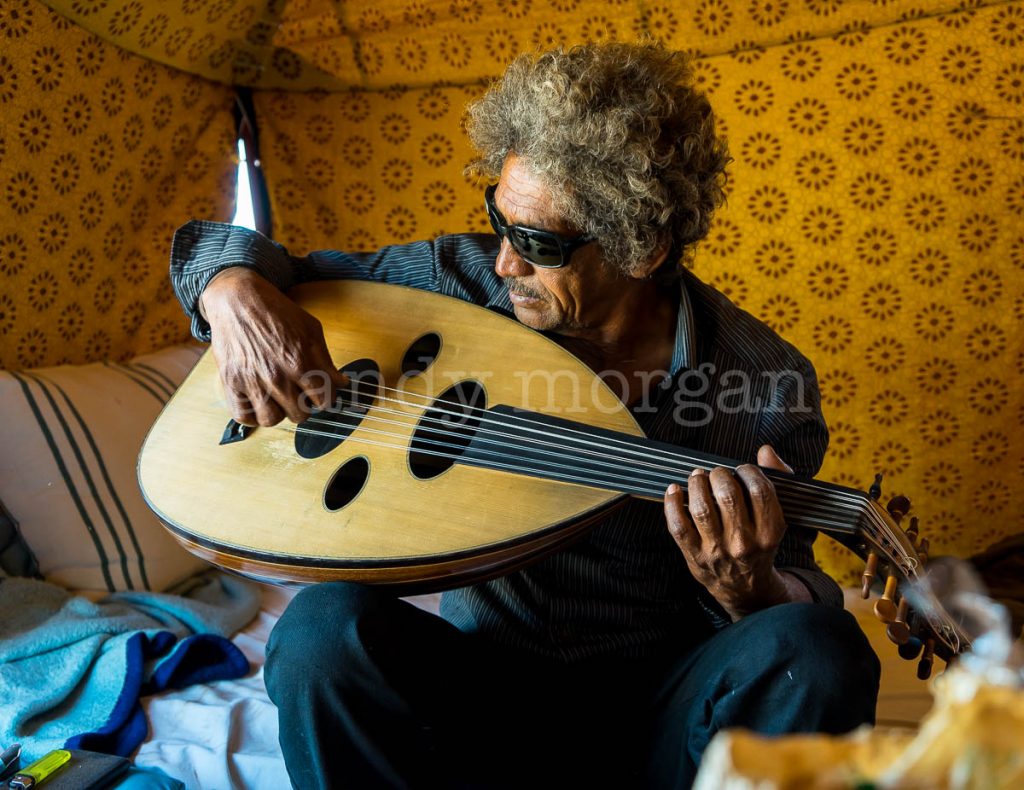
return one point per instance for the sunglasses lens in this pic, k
(536, 248)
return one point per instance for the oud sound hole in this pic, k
(346, 483)
(421, 354)
(326, 429)
(446, 429)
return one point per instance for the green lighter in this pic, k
(37, 773)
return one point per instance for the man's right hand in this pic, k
(271, 353)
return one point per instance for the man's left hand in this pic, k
(728, 527)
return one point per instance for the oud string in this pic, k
(675, 470)
(854, 498)
(650, 490)
(530, 425)
(654, 488)
(484, 417)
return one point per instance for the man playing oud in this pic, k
(613, 661)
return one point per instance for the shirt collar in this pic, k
(685, 348)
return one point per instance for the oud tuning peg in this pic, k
(870, 571)
(912, 530)
(910, 649)
(924, 666)
(898, 507)
(885, 607)
(922, 549)
(898, 630)
(875, 492)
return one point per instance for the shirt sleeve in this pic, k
(202, 249)
(793, 425)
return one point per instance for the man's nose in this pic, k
(510, 263)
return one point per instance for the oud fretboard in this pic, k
(538, 445)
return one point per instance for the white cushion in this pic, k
(69, 442)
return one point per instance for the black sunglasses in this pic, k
(542, 248)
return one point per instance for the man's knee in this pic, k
(819, 646)
(320, 612)
(319, 633)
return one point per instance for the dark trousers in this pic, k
(373, 692)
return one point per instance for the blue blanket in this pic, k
(72, 671)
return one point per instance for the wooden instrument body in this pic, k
(256, 507)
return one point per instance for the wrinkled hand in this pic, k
(271, 354)
(728, 527)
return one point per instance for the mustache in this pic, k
(517, 286)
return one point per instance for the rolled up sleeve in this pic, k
(201, 250)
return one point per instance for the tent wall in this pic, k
(102, 154)
(874, 213)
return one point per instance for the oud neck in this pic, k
(539, 445)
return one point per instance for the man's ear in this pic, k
(654, 262)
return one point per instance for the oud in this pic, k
(442, 465)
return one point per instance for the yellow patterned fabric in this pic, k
(359, 170)
(874, 219)
(339, 44)
(102, 155)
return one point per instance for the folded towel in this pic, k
(72, 671)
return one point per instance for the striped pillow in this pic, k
(70, 438)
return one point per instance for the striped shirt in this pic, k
(623, 588)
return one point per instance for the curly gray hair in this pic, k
(620, 136)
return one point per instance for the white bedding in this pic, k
(223, 735)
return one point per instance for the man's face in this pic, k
(573, 300)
